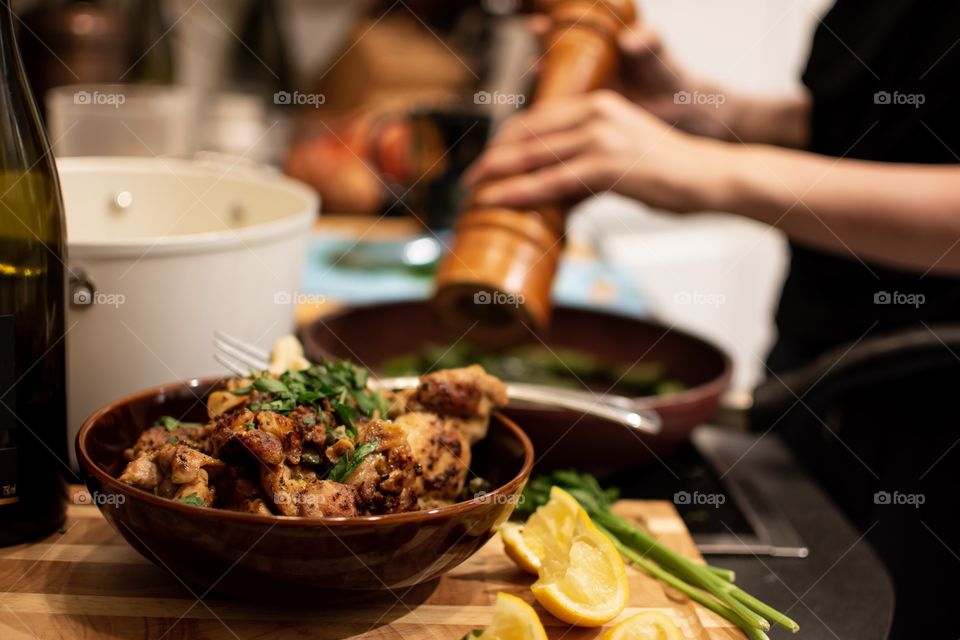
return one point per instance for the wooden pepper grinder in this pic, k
(495, 283)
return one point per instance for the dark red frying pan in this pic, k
(374, 333)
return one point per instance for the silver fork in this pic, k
(241, 357)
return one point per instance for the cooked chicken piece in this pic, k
(274, 423)
(282, 428)
(199, 487)
(383, 486)
(312, 425)
(239, 493)
(157, 437)
(386, 481)
(184, 464)
(142, 473)
(421, 457)
(236, 437)
(173, 471)
(328, 499)
(468, 393)
(167, 488)
(387, 433)
(340, 448)
(296, 491)
(219, 402)
(441, 451)
(149, 441)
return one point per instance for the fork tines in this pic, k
(238, 356)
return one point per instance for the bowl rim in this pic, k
(88, 466)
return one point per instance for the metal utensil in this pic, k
(241, 357)
(419, 252)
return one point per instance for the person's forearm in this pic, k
(710, 110)
(905, 216)
(784, 121)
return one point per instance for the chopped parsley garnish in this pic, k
(348, 464)
(173, 440)
(192, 499)
(170, 423)
(342, 384)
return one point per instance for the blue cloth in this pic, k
(577, 284)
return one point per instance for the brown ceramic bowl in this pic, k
(241, 553)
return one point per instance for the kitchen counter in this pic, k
(88, 583)
(841, 590)
(87, 578)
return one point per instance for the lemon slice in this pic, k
(554, 520)
(648, 625)
(513, 619)
(525, 550)
(583, 580)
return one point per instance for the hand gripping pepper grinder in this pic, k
(495, 282)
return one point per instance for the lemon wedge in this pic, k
(647, 625)
(582, 578)
(553, 521)
(521, 547)
(513, 619)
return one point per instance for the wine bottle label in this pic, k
(8, 420)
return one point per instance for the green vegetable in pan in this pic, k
(555, 366)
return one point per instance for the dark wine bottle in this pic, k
(152, 44)
(259, 62)
(33, 417)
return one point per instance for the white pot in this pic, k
(168, 251)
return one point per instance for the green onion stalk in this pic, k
(711, 587)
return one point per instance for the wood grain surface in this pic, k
(86, 582)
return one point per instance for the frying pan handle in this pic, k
(845, 368)
(613, 409)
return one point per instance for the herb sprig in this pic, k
(348, 464)
(192, 499)
(170, 423)
(342, 384)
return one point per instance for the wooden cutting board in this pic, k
(86, 582)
